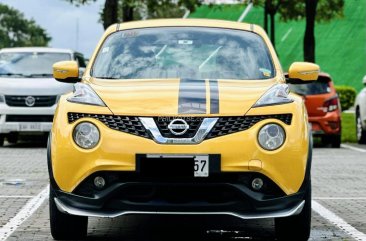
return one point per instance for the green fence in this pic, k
(340, 44)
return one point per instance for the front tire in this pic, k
(65, 226)
(336, 141)
(361, 133)
(12, 138)
(296, 227)
(2, 139)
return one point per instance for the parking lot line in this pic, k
(353, 148)
(339, 222)
(27, 210)
(339, 198)
(15, 196)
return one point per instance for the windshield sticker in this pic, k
(130, 34)
(185, 41)
(105, 50)
(265, 72)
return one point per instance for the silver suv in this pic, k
(361, 114)
(28, 92)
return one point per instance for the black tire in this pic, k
(2, 138)
(296, 227)
(12, 138)
(325, 140)
(65, 226)
(336, 141)
(361, 133)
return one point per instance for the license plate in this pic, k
(201, 166)
(30, 126)
(178, 165)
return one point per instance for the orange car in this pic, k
(324, 109)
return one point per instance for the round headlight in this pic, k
(271, 137)
(86, 135)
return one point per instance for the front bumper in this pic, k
(246, 205)
(25, 119)
(330, 124)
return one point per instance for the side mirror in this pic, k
(364, 80)
(300, 72)
(66, 71)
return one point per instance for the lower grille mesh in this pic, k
(229, 125)
(128, 124)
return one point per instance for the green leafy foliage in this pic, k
(295, 9)
(16, 31)
(80, 2)
(347, 96)
(326, 10)
(141, 9)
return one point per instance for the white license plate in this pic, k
(201, 165)
(30, 126)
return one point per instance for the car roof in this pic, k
(37, 49)
(188, 22)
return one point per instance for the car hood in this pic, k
(181, 96)
(33, 86)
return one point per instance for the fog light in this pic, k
(86, 135)
(99, 182)
(257, 184)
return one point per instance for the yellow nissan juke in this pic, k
(188, 117)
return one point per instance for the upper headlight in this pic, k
(271, 137)
(276, 95)
(84, 94)
(86, 135)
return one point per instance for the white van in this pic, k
(28, 92)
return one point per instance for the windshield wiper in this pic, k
(11, 74)
(39, 75)
(104, 77)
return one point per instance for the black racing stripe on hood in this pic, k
(192, 97)
(214, 97)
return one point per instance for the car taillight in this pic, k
(331, 104)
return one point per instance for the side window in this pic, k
(81, 61)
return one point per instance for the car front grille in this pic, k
(39, 101)
(193, 122)
(224, 125)
(229, 125)
(29, 118)
(127, 124)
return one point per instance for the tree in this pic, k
(16, 31)
(309, 36)
(127, 10)
(270, 8)
(311, 10)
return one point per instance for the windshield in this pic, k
(29, 64)
(182, 52)
(314, 88)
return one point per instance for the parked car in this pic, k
(361, 114)
(182, 116)
(324, 109)
(28, 91)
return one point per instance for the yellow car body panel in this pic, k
(149, 97)
(285, 166)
